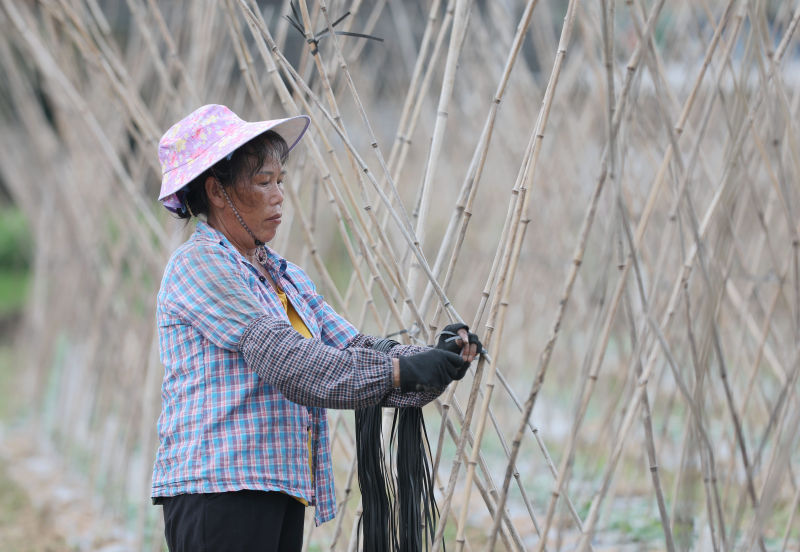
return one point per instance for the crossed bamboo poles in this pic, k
(369, 245)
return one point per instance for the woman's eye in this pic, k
(270, 182)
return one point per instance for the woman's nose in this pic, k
(277, 195)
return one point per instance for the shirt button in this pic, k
(262, 279)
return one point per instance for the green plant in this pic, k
(16, 242)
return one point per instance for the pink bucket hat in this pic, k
(204, 137)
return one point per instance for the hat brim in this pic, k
(290, 129)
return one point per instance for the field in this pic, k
(606, 192)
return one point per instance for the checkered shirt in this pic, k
(242, 388)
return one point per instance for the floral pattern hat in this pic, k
(204, 137)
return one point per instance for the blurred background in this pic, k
(606, 191)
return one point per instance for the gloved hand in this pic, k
(431, 370)
(452, 338)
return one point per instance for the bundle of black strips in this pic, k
(399, 515)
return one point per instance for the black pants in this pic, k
(237, 521)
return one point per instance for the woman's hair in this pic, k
(244, 162)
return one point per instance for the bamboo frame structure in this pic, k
(607, 191)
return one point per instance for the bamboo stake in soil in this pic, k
(541, 126)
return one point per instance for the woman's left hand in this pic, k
(457, 338)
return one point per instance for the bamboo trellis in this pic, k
(607, 192)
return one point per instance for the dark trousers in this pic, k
(236, 521)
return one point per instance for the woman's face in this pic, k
(259, 200)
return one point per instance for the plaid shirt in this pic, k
(242, 389)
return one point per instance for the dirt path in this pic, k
(22, 527)
(44, 507)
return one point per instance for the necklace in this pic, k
(261, 255)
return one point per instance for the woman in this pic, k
(252, 353)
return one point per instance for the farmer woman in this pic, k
(253, 355)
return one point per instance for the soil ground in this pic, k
(41, 508)
(23, 528)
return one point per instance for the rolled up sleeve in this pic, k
(396, 398)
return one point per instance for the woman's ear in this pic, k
(214, 192)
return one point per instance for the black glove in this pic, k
(431, 370)
(449, 336)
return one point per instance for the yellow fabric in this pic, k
(299, 326)
(294, 318)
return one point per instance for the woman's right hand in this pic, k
(457, 338)
(431, 370)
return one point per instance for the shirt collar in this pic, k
(205, 232)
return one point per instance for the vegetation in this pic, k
(16, 246)
(22, 525)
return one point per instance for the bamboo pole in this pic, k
(698, 233)
(577, 258)
(457, 34)
(42, 57)
(463, 209)
(541, 126)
